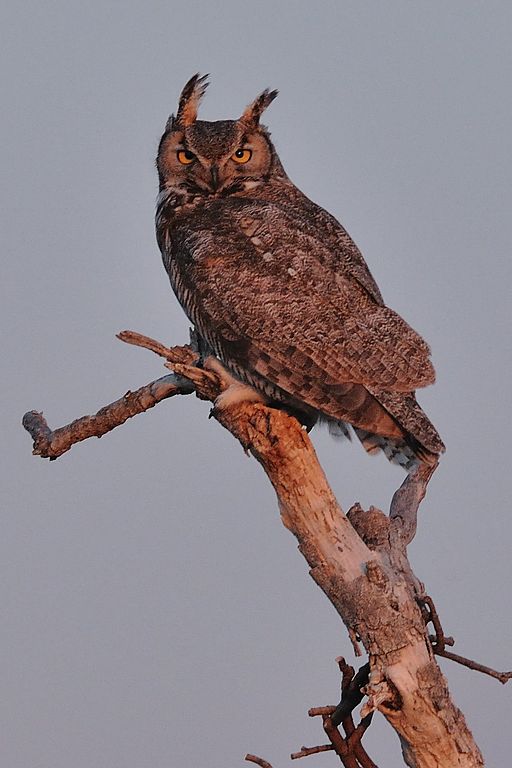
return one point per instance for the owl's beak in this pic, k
(214, 174)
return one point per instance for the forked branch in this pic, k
(359, 562)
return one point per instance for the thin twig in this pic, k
(447, 640)
(349, 748)
(354, 742)
(339, 744)
(184, 354)
(503, 677)
(50, 444)
(433, 617)
(258, 760)
(439, 642)
(352, 694)
(306, 751)
(316, 711)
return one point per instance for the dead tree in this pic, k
(359, 560)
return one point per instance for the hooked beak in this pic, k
(214, 176)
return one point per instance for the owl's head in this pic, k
(213, 158)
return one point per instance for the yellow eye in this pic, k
(185, 157)
(242, 156)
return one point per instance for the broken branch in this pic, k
(50, 444)
(258, 760)
(440, 641)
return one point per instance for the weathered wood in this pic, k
(50, 444)
(359, 560)
(374, 599)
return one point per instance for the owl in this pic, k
(278, 292)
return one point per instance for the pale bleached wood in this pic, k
(374, 598)
(359, 560)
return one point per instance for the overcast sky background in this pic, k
(155, 612)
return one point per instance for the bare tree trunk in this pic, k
(370, 588)
(359, 560)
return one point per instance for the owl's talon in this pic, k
(236, 394)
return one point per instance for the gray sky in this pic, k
(155, 611)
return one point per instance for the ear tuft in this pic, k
(251, 115)
(170, 124)
(190, 98)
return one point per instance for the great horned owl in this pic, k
(277, 289)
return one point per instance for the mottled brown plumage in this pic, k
(278, 290)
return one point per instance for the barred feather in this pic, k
(280, 292)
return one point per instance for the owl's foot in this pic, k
(234, 391)
(235, 394)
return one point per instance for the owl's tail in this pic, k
(406, 453)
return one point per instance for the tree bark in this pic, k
(359, 560)
(371, 593)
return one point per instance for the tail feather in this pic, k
(396, 451)
(339, 430)
(405, 409)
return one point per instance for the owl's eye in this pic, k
(242, 156)
(185, 157)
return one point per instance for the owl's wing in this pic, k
(264, 291)
(345, 254)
